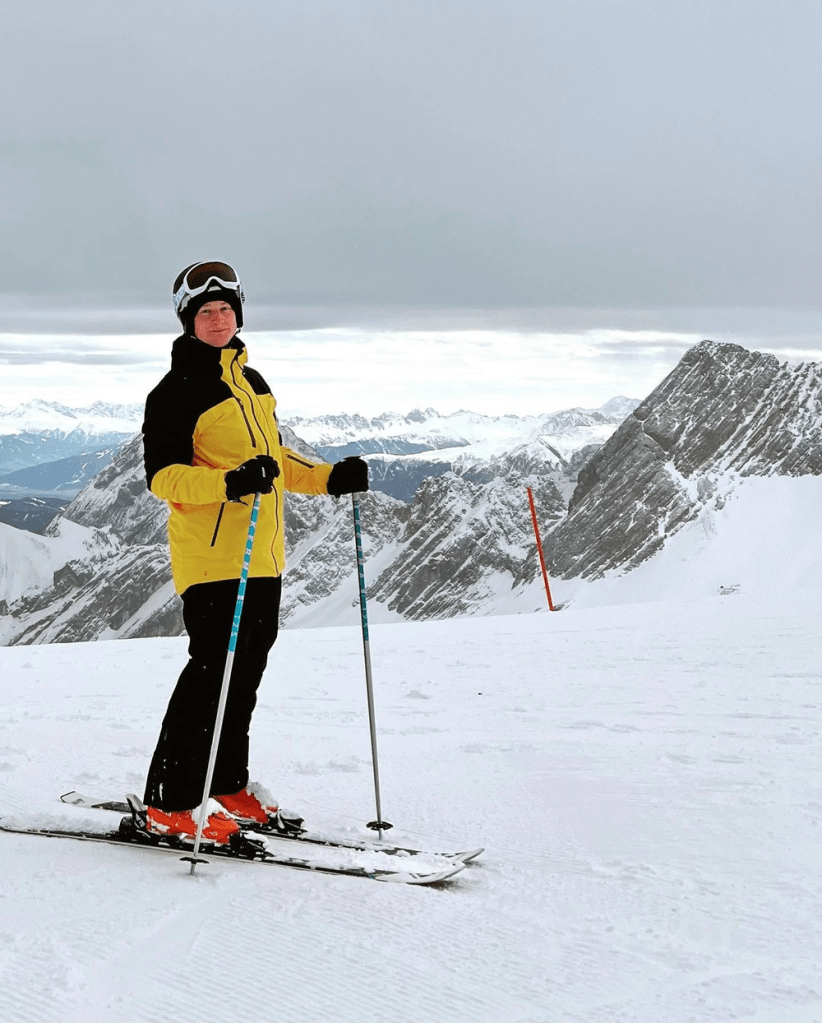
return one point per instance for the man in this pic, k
(211, 443)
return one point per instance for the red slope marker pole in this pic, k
(539, 549)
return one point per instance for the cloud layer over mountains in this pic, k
(463, 153)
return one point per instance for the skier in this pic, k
(211, 442)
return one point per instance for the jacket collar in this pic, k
(190, 355)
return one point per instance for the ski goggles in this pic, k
(203, 277)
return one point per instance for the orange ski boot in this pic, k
(218, 828)
(256, 808)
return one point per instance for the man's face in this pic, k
(215, 324)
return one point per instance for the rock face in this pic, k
(463, 541)
(321, 551)
(125, 595)
(463, 545)
(123, 587)
(723, 413)
(117, 499)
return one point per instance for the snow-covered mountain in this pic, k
(458, 548)
(403, 450)
(27, 560)
(39, 416)
(45, 431)
(722, 415)
(479, 437)
(677, 477)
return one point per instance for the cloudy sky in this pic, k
(374, 165)
(491, 369)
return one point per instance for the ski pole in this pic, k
(229, 664)
(379, 825)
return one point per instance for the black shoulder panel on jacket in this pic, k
(258, 385)
(172, 411)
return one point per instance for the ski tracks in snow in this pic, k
(646, 780)
(238, 940)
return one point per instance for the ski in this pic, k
(303, 837)
(249, 850)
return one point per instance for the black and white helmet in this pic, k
(206, 282)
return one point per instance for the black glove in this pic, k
(256, 476)
(350, 476)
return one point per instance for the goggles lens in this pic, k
(201, 277)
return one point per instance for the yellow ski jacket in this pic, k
(209, 414)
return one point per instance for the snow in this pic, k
(645, 778)
(38, 416)
(465, 437)
(758, 535)
(28, 561)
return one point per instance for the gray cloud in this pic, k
(81, 353)
(376, 153)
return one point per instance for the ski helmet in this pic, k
(206, 282)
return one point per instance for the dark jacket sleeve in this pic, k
(168, 451)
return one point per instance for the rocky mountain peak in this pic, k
(722, 411)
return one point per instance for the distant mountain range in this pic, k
(49, 452)
(475, 436)
(41, 416)
(66, 476)
(45, 431)
(404, 450)
(472, 508)
(31, 513)
(55, 451)
(669, 502)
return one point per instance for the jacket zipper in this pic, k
(217, 527)
(250, 397)
(257, 421)
(245, 419)
(253, 410)
(242, 407)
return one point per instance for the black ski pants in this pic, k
(177, 773)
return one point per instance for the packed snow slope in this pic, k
(646, 779)
(762, 539)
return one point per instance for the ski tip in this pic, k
(422, 879)
(469, 855)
